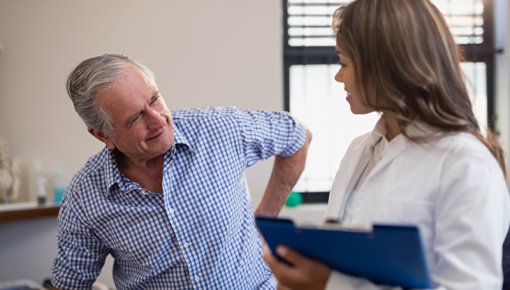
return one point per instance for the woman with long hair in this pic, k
(426, 162)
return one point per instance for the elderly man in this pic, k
(167, 196)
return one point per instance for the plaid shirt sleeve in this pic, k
(81, 255)
(267, 133)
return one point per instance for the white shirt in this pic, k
(452, 188)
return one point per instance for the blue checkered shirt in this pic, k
(198, 234)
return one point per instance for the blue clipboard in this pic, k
(387, 255)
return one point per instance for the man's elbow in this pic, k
(299, 158)
(308, 138)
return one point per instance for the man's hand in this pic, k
(305, 274)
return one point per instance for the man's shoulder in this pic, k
(92, 171)
(186, 114)
(210, 118)
(227, 115)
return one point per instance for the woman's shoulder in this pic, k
(462, 143)
(463, 151)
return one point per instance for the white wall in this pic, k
(220, 52)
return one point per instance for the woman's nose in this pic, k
(338, 76)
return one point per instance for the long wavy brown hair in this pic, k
(408, 64)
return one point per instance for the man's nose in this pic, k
(156, 118)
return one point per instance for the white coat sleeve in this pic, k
(471, 221)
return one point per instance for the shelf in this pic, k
(27, 210)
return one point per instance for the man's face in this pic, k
(141, 121)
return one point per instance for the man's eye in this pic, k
(133, 120)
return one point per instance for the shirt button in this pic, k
(197, 278)
(171, 210)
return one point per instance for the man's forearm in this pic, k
(285, 174)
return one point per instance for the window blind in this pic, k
(309, 21)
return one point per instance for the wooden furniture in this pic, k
(27, 210)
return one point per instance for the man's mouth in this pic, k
(154, 136)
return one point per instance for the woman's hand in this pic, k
(303, 274)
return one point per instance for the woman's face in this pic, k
(347, 76)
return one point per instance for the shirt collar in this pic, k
(380, 128)
(379, 132)
(416, 128)
(420, 129)
(180, 139)
(113, 175)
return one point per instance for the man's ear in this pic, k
(101, 136)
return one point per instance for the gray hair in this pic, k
(91, 77)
